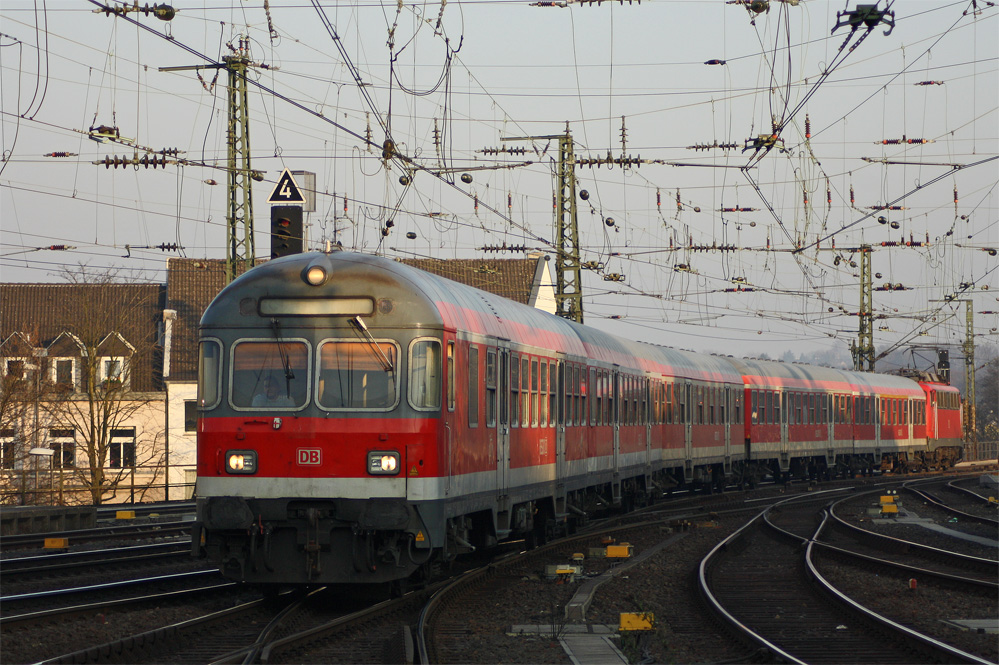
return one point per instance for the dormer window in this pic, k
(62, 373)
(15, 367)
(114, 371)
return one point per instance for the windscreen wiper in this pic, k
(289, 374)
(359, 324)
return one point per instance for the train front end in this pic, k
(319, 389)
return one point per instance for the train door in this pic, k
(688, 434)
(648, 410)
(503, 426)
(785, 455)
(726, 420)
(449, 416)
(558, 416)
(879, 415)
(617, 419)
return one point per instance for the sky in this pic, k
(716, 236)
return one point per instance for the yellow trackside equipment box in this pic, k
(578, 557)
(124, 515)
(637, 621)
(56, 543)
(622, 551)
(889, 509)
(887, 499)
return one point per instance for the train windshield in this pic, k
(270, 375)
(357, 375)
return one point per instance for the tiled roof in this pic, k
(43, 312)
(510, 278)
(191, 285)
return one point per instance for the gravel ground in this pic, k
(663, 585)
(685, 633)
(42, 641)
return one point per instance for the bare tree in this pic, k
(115, 412)
(19, 405)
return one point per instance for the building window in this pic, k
(10, 447)
(190, 415)
(63, 441)
(122, 448)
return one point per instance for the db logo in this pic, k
(310, 456)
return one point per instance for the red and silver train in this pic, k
(364, 421)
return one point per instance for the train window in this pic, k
(581, 396)
(525, 391)
(596, 406)
(355, 375)
(737, 407)
(535, 388)
(552, 392)
(625, 382)
(514, 390)
(571, 377)
(722, 404)
(209, 373)
(543, 395)
(778, 397)
(502, 389)
(490, 388)
(450, 376)
(613, 398)
(634, 416)
(754, 404)
(270, 374)
(425, 374)
(767, 408)
(473, 386)
(568, 388)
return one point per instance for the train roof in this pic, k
(429, 300)
(770, 373)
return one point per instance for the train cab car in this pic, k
(944, 424)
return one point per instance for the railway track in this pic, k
(764, 583)
(48, 565)
(117, 532)
(20, 607)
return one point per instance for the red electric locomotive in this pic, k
(364, 421)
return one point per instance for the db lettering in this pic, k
(309, 456)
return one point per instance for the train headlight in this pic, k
(315, 275)
(241, 461)
(318, 271)
(383, 463)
